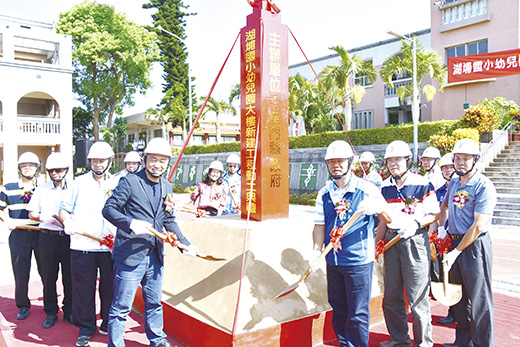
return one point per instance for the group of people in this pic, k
(407, 206)
(129, 211)
(73, 225)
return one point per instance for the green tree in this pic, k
(81, 124)
(116, 134)
(337, 79)
(170, 16)
(429, 63)
(219, 108)
(112, 59)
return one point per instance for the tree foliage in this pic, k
(337, 80)
(170, 16)
(81, 124)
(112, 59)
(218, 107)
(429, 63)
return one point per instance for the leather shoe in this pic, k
(165, 343)
(67, 317)
(50, 321)
(392, 343)
(446, 320)
(23, 313)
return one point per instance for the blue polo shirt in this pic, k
(482, 199)
(358, 243)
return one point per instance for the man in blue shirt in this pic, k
(349, 267)
(407, 264)
(469, 203)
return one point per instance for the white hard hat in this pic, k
(233, 159)
(397, 148)
(466, 146)
(132, 157)
(100, 150)
(367, 157)
(339, 149)
(217, 165)
(160, 146)
(28, 157)
(447, 159)
(431, 152)
(57, 160)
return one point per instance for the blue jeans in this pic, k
(349, 290)
(149, 274)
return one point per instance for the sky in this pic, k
(316, 24)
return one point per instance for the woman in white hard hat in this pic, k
(469, 203)
(232, 182)
(210, 194)
(22, 242)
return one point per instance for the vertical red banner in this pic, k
(264, 116)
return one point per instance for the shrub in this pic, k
(479, 117)
(466, 133)
(444, 143)
(303, 199)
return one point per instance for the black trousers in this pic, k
(84, 266)
(23, 243)
(55, 251)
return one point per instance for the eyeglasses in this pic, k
(56, 170)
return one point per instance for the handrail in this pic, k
(494, 147)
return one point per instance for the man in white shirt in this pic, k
(80, 211)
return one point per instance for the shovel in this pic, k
(446, 293)
(327, 249)
(181, 246)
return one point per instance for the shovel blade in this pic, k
(449, 295)
(210, 257)
(288, 290)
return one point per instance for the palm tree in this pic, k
(338, 77)
(218, 107)
(429, 63)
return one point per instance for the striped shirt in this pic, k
(15, 197)
(418, 190)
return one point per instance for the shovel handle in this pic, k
(58, 219)
(393, 241)
(28, 227)
(165, 238)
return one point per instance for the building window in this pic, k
(212, 140)
(177, 140)
(364, 81)
(363, 119)
(229, 138)
(157, 133)
(472, 48)
(198, 140)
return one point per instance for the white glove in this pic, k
(409, 226)
(46, 219)
(441, 231)
(10, 223)
(191, 251)
(69, 226)
(450, 258)
(140, 227)
(314, 263)
(370, 207)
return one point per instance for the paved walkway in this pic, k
(506, 284)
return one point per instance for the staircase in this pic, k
(504, 172)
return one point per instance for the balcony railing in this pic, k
(393, 91)
(32, 125)
(460, 10)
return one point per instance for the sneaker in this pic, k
(103, 331)
(165, 343)
(83, 341)
(50, 321)
(446, 320)
(23, 313)
(392, 343)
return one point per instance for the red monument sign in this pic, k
(264, 114)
